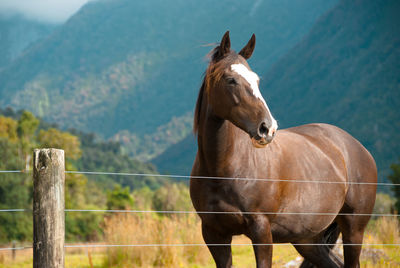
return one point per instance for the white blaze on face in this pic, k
(252, 78)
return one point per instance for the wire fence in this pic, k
(215, 178)
(321, 181)
(217, 212)
(12, 171)
(210, 212)
(209, 245)
(234, 244)
(16, 248)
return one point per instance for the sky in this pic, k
(51, 11)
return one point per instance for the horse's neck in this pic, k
(218, 141)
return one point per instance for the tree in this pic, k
(119, 198)
(55, 138)
(172, 196)
(27, 126)
(14, 193)
(395, 178)
(8, 129)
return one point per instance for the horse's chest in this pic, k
(224, 205)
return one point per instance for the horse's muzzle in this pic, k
(261, 142)
(263, 136)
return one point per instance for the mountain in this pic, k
(178, 158)
(346, 72)
(128, 68)
(17, 34)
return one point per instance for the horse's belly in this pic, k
(308, 216)
(293, 228)
(307, 209)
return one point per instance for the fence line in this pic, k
(232, 212)
(205, 212)
(16, 248)
(210, 245)
(216, 212)
(14, 210)
(210, 177)
(224, 245)
(227, 178)
(49, 209)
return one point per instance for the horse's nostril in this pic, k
(263, 130)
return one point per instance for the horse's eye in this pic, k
(232, 81)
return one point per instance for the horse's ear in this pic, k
(223, 48)
(248, 49)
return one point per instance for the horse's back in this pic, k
(358, 162)
(359, 165)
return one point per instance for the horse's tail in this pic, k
(331, 235)
(329, 238)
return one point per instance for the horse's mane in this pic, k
(213, 74)
(197, 111)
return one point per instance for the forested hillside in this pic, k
(178, 158)
(128, 68)
(345, 72)
(18, 34)
(21, 131)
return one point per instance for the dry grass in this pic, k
(384, 230)
(22, 257)
(387, 230)
(150, 229)
(181, 230)
(184, 229)
(74, 258)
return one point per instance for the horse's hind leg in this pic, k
(352, 232)
(320, 255)
(360, 199)
(329, 237)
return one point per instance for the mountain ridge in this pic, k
(343, 72)
(134, 66)
(169, 38)
(18, 34)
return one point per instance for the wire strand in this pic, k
(16, 248)
(202, 244)
(12, 171)
(214, 245)
(231, 212)
(215, 212)
(227, 178)
(209, 177)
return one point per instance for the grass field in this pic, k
(129, 229)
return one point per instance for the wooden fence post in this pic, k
(48, 208)
(14, 251)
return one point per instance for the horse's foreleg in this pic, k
(222, 254)
(260, 233)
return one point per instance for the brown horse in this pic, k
(238, 138)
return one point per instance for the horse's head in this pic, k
(234, 95)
